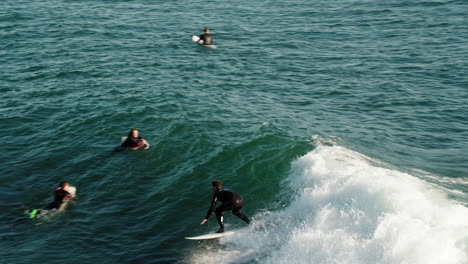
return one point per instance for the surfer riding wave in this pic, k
(230, 201)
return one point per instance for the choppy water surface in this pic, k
(342, 123)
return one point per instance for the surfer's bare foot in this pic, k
(220, 230)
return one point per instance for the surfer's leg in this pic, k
(237, 212)
(53, 205)
(219, 216)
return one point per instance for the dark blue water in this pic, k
(342, 123)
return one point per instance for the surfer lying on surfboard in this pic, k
(230, 201)
(62, 194)
(206, 37)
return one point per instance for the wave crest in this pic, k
(349, 209)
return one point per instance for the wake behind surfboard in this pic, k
(197, 40)
(210, 236)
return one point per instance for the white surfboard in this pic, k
(197, 40)
(211, 236)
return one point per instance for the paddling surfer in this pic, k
(61, 194)
(230, 201)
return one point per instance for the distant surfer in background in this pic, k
(230, 201)
(133, 141)
(206, 37)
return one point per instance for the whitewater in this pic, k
(350, 208)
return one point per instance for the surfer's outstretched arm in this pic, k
(211, 210)
(146, 142)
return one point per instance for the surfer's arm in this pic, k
(146, 143)
(212, 206)
(201, 38)
(69, 196)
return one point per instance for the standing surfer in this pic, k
(230, 201)
(206, 37)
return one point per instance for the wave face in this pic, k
(349, 208)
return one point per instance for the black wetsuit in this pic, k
(207, 39)
(132, 142)
(59, 196)
(230, 201)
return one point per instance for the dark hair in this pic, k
(63, 183)
(131, 131)
(206, 29)
(217, 184)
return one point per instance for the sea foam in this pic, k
(349, 208)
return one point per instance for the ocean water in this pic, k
(343, 124)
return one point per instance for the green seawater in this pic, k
(312, 110)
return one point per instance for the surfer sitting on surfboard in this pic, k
(134, 141)
(206, 37)
(229, 201)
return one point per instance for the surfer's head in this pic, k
(64, 185)
(217, 185)
(207, 30)
(133, 133)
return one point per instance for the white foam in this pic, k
(348, 209)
